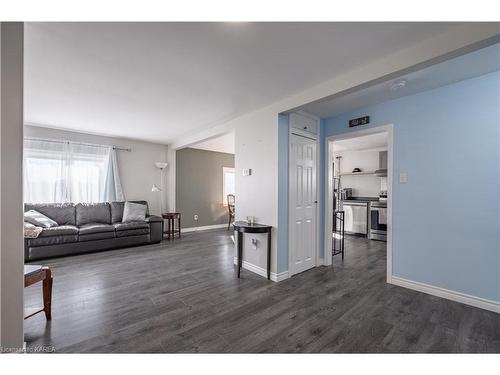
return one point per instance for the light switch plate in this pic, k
(403, 178)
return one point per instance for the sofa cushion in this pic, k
(61, 230)
(91, 228)
(131, 228)
(117, 210)
(52, 240)
(131, 225)
(39, 219)
(62, 213)
(93, 213)
(132, 232)
(96, 236)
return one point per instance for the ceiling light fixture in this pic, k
(398, 84)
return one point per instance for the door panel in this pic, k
(302, 203)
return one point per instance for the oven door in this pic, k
(378, 223)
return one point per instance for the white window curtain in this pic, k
(60, 171)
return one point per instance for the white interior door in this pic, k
(303, 204)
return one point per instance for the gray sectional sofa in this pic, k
(86, 228)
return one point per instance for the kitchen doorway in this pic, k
(359, 176)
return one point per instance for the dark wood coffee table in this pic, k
(34, 274)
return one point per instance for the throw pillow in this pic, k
(38, 219)
(134, 212)
(31, 231)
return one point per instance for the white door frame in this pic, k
(329, 188)
(318, 261)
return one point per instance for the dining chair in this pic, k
(230, 209)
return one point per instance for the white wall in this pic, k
(137, 169)
(362, 185)
(170, 176)
(11, 202)
(256, 143)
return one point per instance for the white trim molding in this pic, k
(277, 277)
(452, 295)
(206, 227)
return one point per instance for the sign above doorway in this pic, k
(359, 121)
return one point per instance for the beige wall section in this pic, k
(11, 200)
(137, 169)
(199, 182)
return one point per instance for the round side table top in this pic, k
(170, 215)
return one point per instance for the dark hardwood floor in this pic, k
(184, 296)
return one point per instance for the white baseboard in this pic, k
(467, 299)
(277, 277)
(206, 227)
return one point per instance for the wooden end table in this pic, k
(170, 218)
(34, 274)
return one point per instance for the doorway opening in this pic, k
(205, 183)
(359, 194)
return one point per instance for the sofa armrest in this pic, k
(155, 228)
(153, 219)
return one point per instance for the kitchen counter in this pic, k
(362, 199)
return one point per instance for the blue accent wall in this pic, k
(446, 224)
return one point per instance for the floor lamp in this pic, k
(161, 166)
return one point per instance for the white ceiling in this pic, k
(371, 142)
(224, 143)
(163, 81)
(474, 64)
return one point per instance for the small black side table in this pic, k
(243, 227)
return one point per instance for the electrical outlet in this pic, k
(196, 217)
(403, 178)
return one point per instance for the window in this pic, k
(227, 183)
(60, 171)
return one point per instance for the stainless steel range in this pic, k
(378, 222)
